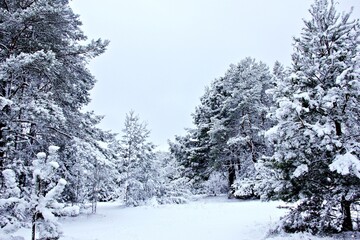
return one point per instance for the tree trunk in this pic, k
(33, 228)
(346, 212)
(338, 128)
(231, 178)
(2, 146)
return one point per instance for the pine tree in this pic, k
(89, 163)
(316, 138)
(192, 153)
(237, 129)
(44, 83)
(136, 164)
(230, 122)
(173, 186)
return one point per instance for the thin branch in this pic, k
(6, 5)
(2, 45)
(58, 131)
(24, 121)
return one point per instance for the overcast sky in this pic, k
(163, 53)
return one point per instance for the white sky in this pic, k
(163, 53)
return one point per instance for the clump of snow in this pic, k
(53, 149)
(346, 164)
(10, 183)
(62, 181)
(4, 102)
(71, 211)
(300, 170)
(103, 145)
(41, 155)
(56, 191)
(54, 164)
(272, 131)
(341, 77)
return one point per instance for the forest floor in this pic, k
(215, 218)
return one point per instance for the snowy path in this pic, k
(210, 219)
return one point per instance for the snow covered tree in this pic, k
(89, 164)
(173, 186)
(237, 130)
(230, 123)
(44, 83)
(316, 137)
(191, 152)
(136, 162)
(46, 188)
(41, 205)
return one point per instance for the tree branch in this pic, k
(58, 131)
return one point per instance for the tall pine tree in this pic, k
(229, 125)
(44, 83)
(317, 112)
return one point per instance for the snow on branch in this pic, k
(346, 164)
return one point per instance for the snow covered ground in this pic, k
(206, 219)
(209, 219)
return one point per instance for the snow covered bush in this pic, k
(259, 184)
(216, 184)
(12, 205)
(245, 189)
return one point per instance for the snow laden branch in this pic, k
(346, 164)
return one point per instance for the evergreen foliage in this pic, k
(230, 122)
(137, 162)
(44, 83)
(316, 138)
